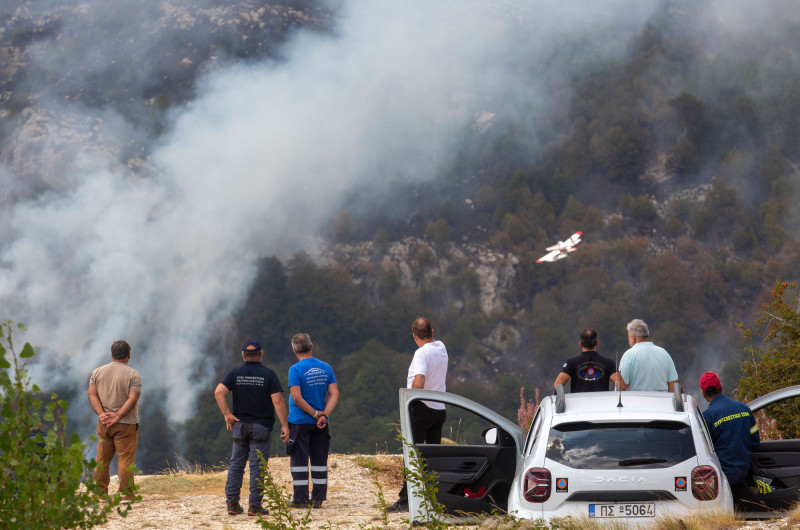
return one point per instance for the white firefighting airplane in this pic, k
(561, 249)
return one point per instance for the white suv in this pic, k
(628, 457)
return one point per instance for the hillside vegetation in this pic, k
(677, 158)
(679, 164)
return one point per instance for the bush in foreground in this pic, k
(45, 481)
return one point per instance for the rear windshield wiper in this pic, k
(640, 461)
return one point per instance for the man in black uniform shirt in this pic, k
(257, 399)
(589, 371)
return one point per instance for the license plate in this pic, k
(622, 510)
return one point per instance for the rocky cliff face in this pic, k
(416, 264)
(75, 75)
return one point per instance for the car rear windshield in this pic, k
(639, 445)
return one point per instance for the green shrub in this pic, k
(45, 481)
(775, 364)
(276, 500)
(426, 484)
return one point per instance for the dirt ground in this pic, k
(197, 501)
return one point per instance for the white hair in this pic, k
(638, 328)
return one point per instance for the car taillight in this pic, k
(536, 486)
(705, 483)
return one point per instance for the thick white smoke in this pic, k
(258, 161)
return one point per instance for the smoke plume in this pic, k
(253, 165)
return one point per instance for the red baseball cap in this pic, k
(710, 379)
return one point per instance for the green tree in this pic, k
(159, 436)
(672, 291)
(775, 364)
(640, 210)
(207, 441)
(692, 115)
(682, 159)
(439, 232)
(342, 227)
(485, 199)
(571, 218)
(264, 314)
(42, 481)
(326, 303)
(620, 155)
(367, 412)
(721, 212)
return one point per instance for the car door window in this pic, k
(704, 429)
(772, 417)
(533, 434)
(464, 427)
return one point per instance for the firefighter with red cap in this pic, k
(733, 430)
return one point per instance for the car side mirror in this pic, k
(490, 436)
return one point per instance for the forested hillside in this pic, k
(678, 163)
(145, 192)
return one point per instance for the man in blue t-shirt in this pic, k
(733, 430)
(314, 395)
(257, 398)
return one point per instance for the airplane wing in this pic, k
(571, 241)
(562, 248)
(551, 256)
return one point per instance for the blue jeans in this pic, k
(247, 439)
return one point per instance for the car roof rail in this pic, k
(561, 401)
(677, 399)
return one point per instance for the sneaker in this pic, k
(254, 510)
(316, 503)
(299, 504)
(400, 506)
(126, 500)
(234, 508)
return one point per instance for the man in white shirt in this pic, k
(428, 370)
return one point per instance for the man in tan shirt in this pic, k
(114, 391)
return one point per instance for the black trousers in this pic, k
(310, 444)
(426, 427)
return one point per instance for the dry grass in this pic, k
(385, 465)
(793, 521)
(705, 520)
(183, 483)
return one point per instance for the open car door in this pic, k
(474, 464)
(775, 460)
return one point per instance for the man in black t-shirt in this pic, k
(257, 398)
(589, 371)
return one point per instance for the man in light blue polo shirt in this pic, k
(645, 366)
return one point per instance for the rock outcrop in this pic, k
(417, 263)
